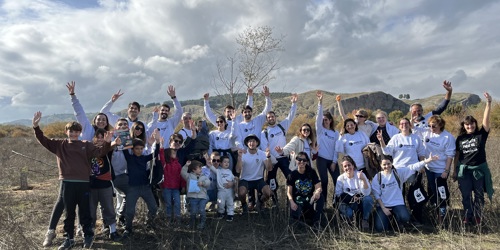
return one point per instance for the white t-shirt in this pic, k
(352, 145)
(253, 166)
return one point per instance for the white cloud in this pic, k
(141, 46)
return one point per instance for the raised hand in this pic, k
(447, 86)
(36, 118)
(487, 96)
(108, 136)
(117, 142)
(71, 87)
(162, 141)
(205, 96)
(268, 152)
(338, 98)
(431, 158)
(294, 97)
(171, 91)
(265, 90)
(380, 137)
(250, 91)
(156, 109)
(319, 95)
(116, 95)
(278, 149)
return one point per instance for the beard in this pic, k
(163, 116)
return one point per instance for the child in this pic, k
(225, 195)
(137, 168)
(196, 188)
(73, 160)
(212, 189)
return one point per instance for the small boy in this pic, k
(73, 161)
(212, 189)
(196, 188)
(225, 194)
(137, 168)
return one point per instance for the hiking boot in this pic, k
(220, 216)
(114, 236)
(365, 226)
(87, 241)
(49, 237)
(229, 218)
(67, 244)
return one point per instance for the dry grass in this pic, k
(25, 216)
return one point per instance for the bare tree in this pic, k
(253, 64)
(259, 55)
(226, 80)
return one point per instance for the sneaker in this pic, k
(79, 231)
(229, 218)
(220, 216)
(49, 237)
(67, 244)
(87, 241)
(365, 226)
(114, 236)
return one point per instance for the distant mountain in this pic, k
(307, 104)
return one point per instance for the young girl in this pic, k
(196, 188)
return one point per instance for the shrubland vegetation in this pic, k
(25, 214)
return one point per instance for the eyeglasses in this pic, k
(139, 128)
(360, 116)
(215, 160)
(220, 121)
(122, 124)
(306, 130)
(178, 141)
(299, 159)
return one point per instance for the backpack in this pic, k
(416, 193)
(372, 154)
(279, 125)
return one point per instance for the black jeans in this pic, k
(77, 194)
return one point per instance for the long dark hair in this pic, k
(220, 117)
(108, 127)
(467, 120)
(142, 136)
(344, 130)
(328, 115)
(312, 135)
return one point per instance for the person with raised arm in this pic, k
(352, 142)
(162, 122)
(303, 141)
(383, 126)
(327, 137)
(471, 168)
(387, 190)
(228, 110)
(250, 125)
(416, 109)
(272, 136)
(73, 160)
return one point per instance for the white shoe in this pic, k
(49, 237)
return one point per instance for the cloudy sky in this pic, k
(142, 46)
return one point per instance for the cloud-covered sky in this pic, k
(142, 46)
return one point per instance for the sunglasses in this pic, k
(306, 130)
(178, 141)
(360, 116)
(215, 160)
(139, 128)
(122, 124)
(219, 121)
(299, 159)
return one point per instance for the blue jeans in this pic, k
(400, 213)
(197, 206)
(172, 198)
(323, 166)
(348, 210)
(133, 194)
(468, 185)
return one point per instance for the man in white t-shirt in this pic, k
(250, 165)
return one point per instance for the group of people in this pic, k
(242, 158)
